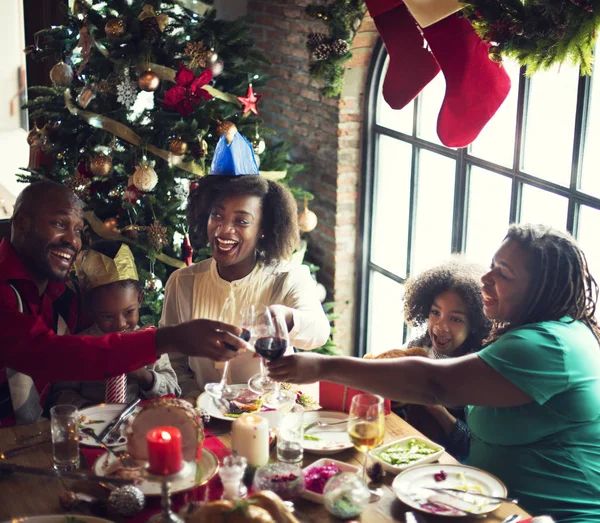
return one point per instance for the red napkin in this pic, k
(338, 397)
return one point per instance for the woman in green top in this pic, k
(534, 389)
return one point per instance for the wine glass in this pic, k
(271, 343)
(221, 389)
(366, 425)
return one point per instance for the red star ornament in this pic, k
(250, 101)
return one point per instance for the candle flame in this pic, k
(165, 435)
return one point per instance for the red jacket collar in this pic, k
(12, 268)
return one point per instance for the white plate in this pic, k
(58, 518)
(333, 439)
(209, 463)
(344, 467)
(409, 487)
(99, 416)
(439, 450)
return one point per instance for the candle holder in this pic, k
(166, 515)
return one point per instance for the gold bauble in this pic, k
(115, 28)
(61, 75)
(228, 129)
(33, 137)
(307, 220)
(494, 54)
(101, 165)
(112, 224)
(178, 146)
(148, 81)
(145, 177)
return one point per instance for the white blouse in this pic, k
(199, 292)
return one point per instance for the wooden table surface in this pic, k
(25, 495)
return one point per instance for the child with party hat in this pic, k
(113, 294)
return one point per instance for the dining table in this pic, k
(29, 495)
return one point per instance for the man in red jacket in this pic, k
(37, 304)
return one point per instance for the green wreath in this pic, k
(538, 33)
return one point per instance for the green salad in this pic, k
(405, 453)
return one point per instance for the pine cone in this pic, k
(376, 473)
(340, 47)
(322, 52)
(150, 30)
(314, 39)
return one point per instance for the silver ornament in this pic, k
(126, 501)
(153, 283)
(217, 67)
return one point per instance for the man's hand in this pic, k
(205, 338)
(297, 368)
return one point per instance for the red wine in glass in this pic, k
(270, 348)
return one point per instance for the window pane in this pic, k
(386, 314)
(494, 212)
(496, 142)
(550, 123)
(589, 225)
(430, 103)
(539, 206)
(435, 203)
(391, 198)
(402, 120)
(590, 176)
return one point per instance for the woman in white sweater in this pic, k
(250, 225)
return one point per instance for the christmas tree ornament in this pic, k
(148, 81)
(250, 101)
(132, 231)
(115, 28)
(307, 220)
(132, 194)
(153, 283)
(126, 92)
(199, 149)
(126, 501)
(188, 92)
(157, 235)
(197, 54)
(61, 75)
(217, 67)
(112, 224)
(145, 177)
(34, 137)
(259, 145)
(101, 165)
(314, 39)
(108, 85)
(340, 47)
(411, 64)
(494, 54)
(212, 55)
(85, 44)
(86, 95)
(178, 146)
(193, 186)
(322, 52)
(152, 24)
(79, 184)
(228, 129)
(187, 250)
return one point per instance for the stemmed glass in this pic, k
(271, 343)
(366, 425)
(221, 389)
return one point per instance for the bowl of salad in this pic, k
(407, 452)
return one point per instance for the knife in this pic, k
(21, 469)
(17, 450)
(457, 490)
(116, 423)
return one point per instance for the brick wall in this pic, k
(325, 133)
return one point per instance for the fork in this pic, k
(122, 455)
(314, 424)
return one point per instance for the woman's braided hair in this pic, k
(561, 283)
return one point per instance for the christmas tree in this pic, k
(141, 92)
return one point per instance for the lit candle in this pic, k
(250, 438)
(164, 451)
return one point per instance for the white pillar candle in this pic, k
(250, 438)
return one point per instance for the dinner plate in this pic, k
(331, 439)
(209, 463)
(97, 417)
(410, 485)
(58, 518)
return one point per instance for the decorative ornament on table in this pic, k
(250, 101)
(157, 235)
(86, 95)
(101, 165)
(115, 28)
(307, 220)
(149, 81)
(178, 146)
(112, 224)
(197, 55)
(188, 92)
(126, 92)
(152, 24)
(61, 74)
(126, 501)
(187, 250)
(145, 177)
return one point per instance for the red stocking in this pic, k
(475, 86)
(411, 65)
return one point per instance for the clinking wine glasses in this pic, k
(271, 342)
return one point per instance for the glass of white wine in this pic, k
(366, 424)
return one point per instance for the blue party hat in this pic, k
(235, 158)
